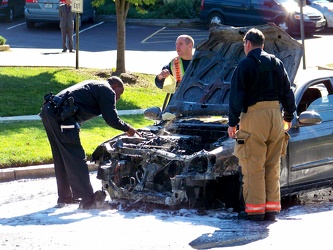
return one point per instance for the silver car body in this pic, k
(47, 11)
(326, 8)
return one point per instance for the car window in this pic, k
(324, 107)
(317, 98)
(310, 95)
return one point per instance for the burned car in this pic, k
(186, 157)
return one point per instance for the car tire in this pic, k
(30, 25)
(10, 15)
(216, 17)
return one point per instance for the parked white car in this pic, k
(326, 8)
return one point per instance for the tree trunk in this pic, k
(122, 7)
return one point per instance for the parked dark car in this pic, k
(47, 11)
(284, 13)
(10, 9)
(186, 157)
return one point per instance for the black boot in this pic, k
(255, 217)
(270, 216)
(63, 201)
(94, 201)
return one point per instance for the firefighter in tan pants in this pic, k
(259, 86)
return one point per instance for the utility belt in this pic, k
(261, 99)
(268, 99)
(64, 105)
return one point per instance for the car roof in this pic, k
(204, 89)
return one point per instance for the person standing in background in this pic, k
(177, 66)
(67, 26)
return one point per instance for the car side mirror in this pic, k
(309, 118)
(153, 113)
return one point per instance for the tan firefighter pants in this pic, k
(258, 148)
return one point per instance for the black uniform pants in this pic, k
(71, 169)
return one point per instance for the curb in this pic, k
(4, 47)
(155, 22)
(33, 172)
(36, 117)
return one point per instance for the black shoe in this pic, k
(255, 217)
(65, 201)
(72, 51)
(64, 50)
(94, 201)
(270, 216)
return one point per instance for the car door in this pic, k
(310, 152)
(236, 12)
(262, 11)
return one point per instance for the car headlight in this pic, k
(298, 17)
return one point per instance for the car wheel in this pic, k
(10, 16)
(283, 24)
(216, 18)
(30, 25)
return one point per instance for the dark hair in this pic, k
(255, 36)
(115, 80)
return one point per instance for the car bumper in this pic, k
(41, 17)
(310, 26)
(3, 11)
(329, 21)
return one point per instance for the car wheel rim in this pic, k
(216, 20)
(11, 15)
(283, 26)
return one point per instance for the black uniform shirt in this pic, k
(247, 87)
(94, 98)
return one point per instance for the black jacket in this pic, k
(260, 77)
(94, 98)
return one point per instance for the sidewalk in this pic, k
(36, 117)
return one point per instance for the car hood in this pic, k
(327, 5)
(293, 6)
(204, 89)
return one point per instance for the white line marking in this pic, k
(12, 27)
(144, 40)
(93, 26)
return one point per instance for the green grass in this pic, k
(22, 90)
(25, 143)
